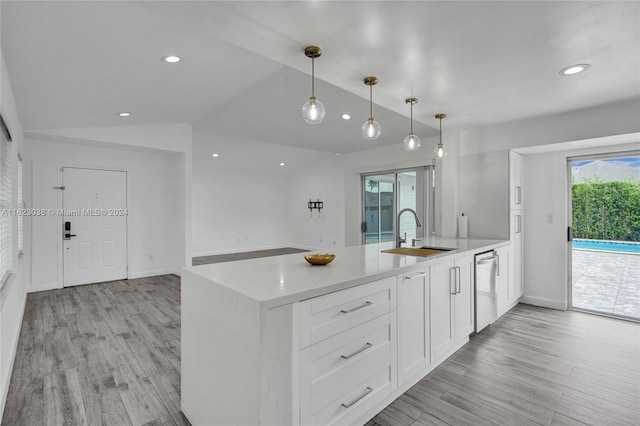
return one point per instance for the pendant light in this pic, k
(412, 141)
(440, 151)
(313, 110)
(371, 128)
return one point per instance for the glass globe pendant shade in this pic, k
(439, 151)
(313, 111)
(371, 129)
(411, 142)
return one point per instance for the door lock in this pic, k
(66, 234)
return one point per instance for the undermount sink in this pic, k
(414, 251)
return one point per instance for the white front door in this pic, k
(94, 226)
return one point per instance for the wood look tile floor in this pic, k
(533, 366)
(109, 354)
(99, 354)
(229, 257)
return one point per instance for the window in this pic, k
(6, 222)
(386, 193)
(20, 206)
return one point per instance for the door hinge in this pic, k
(569, 234)
(62, 188)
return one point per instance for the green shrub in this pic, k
(606, 210)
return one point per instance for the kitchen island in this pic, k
(276, 341)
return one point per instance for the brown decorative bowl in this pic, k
(320, 258)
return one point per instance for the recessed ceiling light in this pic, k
(346, 116)
(574, 69)
(124, 114)
(282, 164)
(215, 155)
(172, 59)
(337, 153)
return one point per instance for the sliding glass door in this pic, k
(379, 200)
(384, 194)
(605, 235)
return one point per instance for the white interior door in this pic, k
(94, 226)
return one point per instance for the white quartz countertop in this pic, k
(280, 280)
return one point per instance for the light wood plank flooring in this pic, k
(109, 354)
(533, 366)
(100, 354)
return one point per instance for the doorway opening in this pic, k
(384, 194)
(604, 234)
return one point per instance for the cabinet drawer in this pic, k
(328, 315)
(324, 364)
(350, 400)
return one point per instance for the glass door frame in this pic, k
(425, 198)
(569, 219)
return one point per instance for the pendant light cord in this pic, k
(411, 117)
(371, 101)
(313, 72)
(441, 131)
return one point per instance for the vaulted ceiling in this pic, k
(244, 77)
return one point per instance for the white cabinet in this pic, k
(413, 324)
(516, 224)
(335, 358)
(328, 315)
(347, 360)
(463, 299)
(451, 304)
(503, 282)
(517, 253)
(441, 291)
(516, 168)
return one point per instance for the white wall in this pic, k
(11, 311)
(238, 212)
(545, 244)
(484, 194)
(484, 176)
(154, 228)
(337, 181)
(603, 121)
(164, 138)
(321, 229)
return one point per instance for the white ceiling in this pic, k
(244, 76)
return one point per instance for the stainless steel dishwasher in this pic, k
(486, 291)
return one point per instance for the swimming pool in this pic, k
(603, 245)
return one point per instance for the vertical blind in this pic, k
(20, 205)
(6, 230)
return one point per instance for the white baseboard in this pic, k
(241, 250)
(132, 275)
(46, 287)
(5, 380)
(544, 302)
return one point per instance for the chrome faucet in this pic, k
(400, 240)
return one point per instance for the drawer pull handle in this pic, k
(364, 305)
(412, 277)
(362, 349)
(365, 393)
